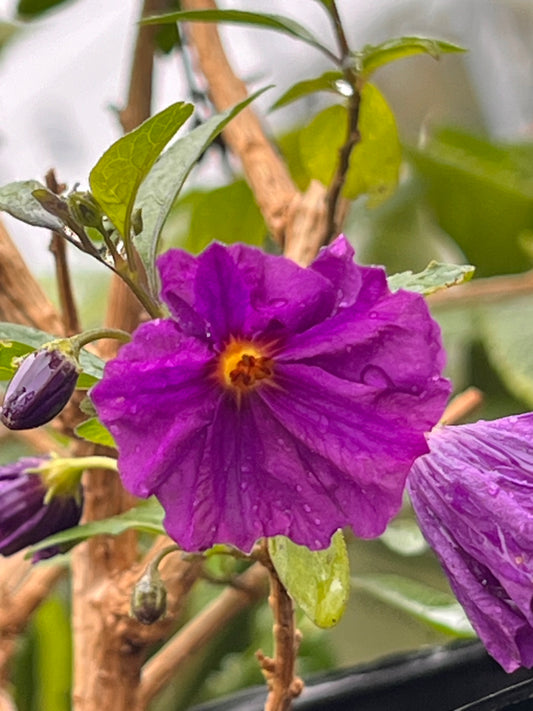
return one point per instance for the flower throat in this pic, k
(242, 366)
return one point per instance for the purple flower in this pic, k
(25, 518)
(40, 389)
(473, 496)
(276, 399)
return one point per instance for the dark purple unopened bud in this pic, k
(25, 518)
(40, 389)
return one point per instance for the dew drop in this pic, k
(373, 314)
(317, 521)
(375, 377)
(277, 303)
(306, 508)
(493, 489)
(298, 488)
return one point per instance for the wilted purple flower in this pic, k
(276, 399)
(25, 518)
(473, 496)
(40, 389)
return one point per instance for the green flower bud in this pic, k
(149, 597)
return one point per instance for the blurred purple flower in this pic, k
(25, 518)
(276, 399)
(473, 496)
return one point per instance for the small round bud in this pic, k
(149, 598)
(40, 389)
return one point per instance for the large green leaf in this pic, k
(33, 8)
(242, 17)
(17, 199)
(116, 178)
(434, 278)
(375, 160)
(94, 431)
(318, 581)
(438, 609)
(329, 81)
(146, 516)
(371, 57)
(162, 185)
(17, 340)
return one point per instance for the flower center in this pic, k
(243, 365)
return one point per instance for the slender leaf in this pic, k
(373, 57)
(94, 431)
(8, 30)
(18, 200)
(434, 607)
(435, 277)
(52, 654)
(116, 178)
(318, 581)
(163, 183)
(146, 516)
(33, 8)
(242, 17)
(329, 81)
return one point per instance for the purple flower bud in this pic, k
(25, 519)
(40, 389)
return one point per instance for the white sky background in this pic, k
(59, 79)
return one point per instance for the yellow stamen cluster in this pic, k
(243, 365)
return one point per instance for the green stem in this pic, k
(96, 334)
(95, 462)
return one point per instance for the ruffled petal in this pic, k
(336, 264)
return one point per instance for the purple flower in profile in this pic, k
(473, 496)
(25, 515)
(276, 399)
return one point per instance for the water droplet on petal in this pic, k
(306, 508)
(277, 303)
(375, 377)
(298, 488)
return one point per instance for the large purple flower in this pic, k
(276, 399)
(473, 496)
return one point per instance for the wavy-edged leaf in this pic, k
(436, 276)
(329, 81)
(146, 516)
(372, 57)
(438, 609)
(18, 200)
(242, 17)
(116, 178)
(375, 160)
(163, 183)
(318, 581)
(94, 431)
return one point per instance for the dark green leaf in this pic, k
(374, 56)
(146, 516)
(8, 30)
(375, 160)
(242, 17)
(17, 199)
(318, 581)
(163, 183)
(33, 8)
(116, 178)
(434, 278)
(329, 81)
(94, 431)
(438, 609)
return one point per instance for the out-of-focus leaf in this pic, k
(242, 17)
(94, 431)
(33, 8)
(507, 334)
(228, 214)
(375, 160)
(329, 81)
(372, 57)
(116, 178)
(403, 536)
(318, 581)
(482, 195)
(438, 609)
(434, 278)
(16, 337)
(8, 30)
(163, 183)
(146, 516)
(17, 199)
(53, 655)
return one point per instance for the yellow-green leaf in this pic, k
(374, 56)
(318, 581)
(94, 431)
(436, 276)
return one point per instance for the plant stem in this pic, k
(96, 334)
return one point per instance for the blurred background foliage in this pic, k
(460, 190)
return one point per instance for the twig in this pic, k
(159, 670)
(69, 312)
(483, 291)
(462, 405)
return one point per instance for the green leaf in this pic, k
(375, 160)
(242, 17)
(33, 8)
(15, 337)
(116, 178)
(52, 654)
(438, 609)
(435, 277)
(146, 516)
(318, 581)
(165, 180)
(94, 431)
(374, 56)
(8, 30)
(329, 81)
(17, 200)
(403, 536)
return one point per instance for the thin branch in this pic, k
(462, 405)
(484, 291)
